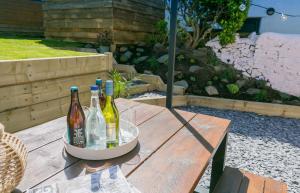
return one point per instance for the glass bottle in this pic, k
(76, 121)
(95, 123)
(101, 94)
(111, 117)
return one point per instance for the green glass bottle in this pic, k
(111, 117)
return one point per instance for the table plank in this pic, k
(51, 131)
(153, 134)
(178, 165)
(252, 183)
(272, 186)
(53, 156)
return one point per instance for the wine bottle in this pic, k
(101, 94)
(111, 117)
(95, 123)
(76, 121)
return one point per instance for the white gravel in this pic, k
(267, 146)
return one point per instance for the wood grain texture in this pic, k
(235, 180)
(184, 156)
(152, 137)
(51, 151)
(129, 21)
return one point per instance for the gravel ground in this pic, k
(267, 146)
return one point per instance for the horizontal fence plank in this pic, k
(30, 70)
(17, 96)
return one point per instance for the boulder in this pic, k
(194, 68)
(163, 59)
(141, 59)
(128, 54)
(241, 83)
(211, 90)
(253, 91)
(140, 50)
(182, 83)
(123, 49)
(148, 72)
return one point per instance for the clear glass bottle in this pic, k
(101, 94)
(111, 117)
(95, 123)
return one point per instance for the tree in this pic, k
(199, 18)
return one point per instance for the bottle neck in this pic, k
(94, 99)
(109, 99)
(74, 97)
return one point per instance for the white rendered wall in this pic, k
(273, 57)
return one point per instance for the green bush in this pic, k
(160, 34)
(233, 88)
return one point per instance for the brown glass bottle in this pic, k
(76, 121)
(101, 94)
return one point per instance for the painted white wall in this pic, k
(274, 23)
(270, 56)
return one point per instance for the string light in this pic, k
(283, 17)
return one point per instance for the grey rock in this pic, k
(123, 49)
(224, 80)
(253, 91)
(124, 59)
(148, 72)
(141, 44)
(211, 90)
(182, 83)
(128, 54)
(241, 83)
(158, 46)
(163, 59)
(140, 50)
(91, 50)
(194, 68)
(141, 59)
(88, 46)
(219, 68)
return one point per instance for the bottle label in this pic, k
(78, 137)
(111, 133)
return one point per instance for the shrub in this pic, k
(160, 34)
(233, 88)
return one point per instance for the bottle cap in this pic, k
(109, 87)
(99, 81)
(94, 88)
(74, 88)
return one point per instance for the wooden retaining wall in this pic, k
(128, 20)
(269, 109)
(21, 16)
(37, 90)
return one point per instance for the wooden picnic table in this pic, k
(174, 150)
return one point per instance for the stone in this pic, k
(123, 49)
(182, 83)
(138, 54)
(194, 68)
(148, 72)
(253, 91)
(140, 50)
(141, 44)
(163, 59)
(224, 80)
(91, 50)
(219, 68)
(141, 59)
(211, 90)
(158, 46)
(88, 46)
(128, 54)
(241, 83)
(124, 59)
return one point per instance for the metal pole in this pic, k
(172, 52)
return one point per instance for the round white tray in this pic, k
(128, 140)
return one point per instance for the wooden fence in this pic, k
(128, 21)
(37, 90)
(21, 16)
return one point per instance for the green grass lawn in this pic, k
(22, 47)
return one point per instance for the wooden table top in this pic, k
(174, 150)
